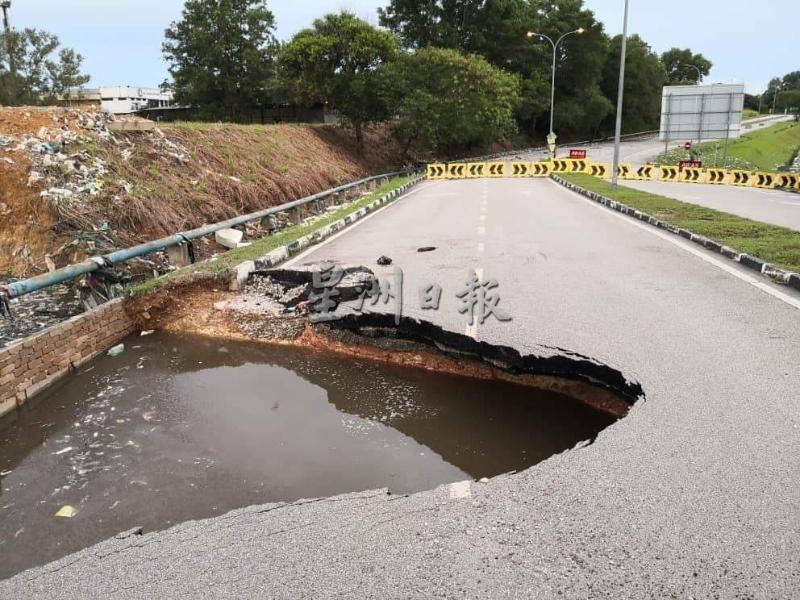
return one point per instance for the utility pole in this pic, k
(620, 89)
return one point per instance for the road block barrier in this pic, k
(668, 173)
(541, 168)
(692, 175)
(475, 170)
(597, 169)
(625, 171)
(739, 177)
(764, 180)
(647, 172)
(787, 180)
(495, 169)
(437, 171)
(560, 165)
(716, 176)
(456, 170)
(570, 165)
(521, 169)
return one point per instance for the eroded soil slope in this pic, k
(71, 187)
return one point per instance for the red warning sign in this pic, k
(577, 153)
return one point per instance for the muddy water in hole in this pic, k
(180, 428)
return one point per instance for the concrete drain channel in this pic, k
(184, 426)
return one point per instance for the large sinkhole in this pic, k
(181, 427)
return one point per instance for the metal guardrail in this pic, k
(509, 153)
(26, 286)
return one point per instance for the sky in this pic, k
(121, 39)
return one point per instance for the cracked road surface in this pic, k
(694, 494)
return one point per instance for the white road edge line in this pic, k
(668, 237)
(419, 187)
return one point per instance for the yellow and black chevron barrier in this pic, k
(646, 172)
(599, 169)
(521, 169)
(692, 175)
(541, 168)
(668, 173)
(456, 170)
(737, 177)
(437, 171)
(788, 180)
(716, 176)
(764, 180)
(495, 169)
(475, 170)
(625, 171)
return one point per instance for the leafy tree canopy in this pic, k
(644, 79)
(678, 63)
(221, 55)
(336, 63)
(31, 69)
(446, 101)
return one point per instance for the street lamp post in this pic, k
(5, 5)
(699, 74)
(620, 88)
(775, 98)
(553, 79)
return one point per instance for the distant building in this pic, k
(119, 100)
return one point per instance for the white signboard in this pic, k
(701, 112)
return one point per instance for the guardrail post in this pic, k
(295, 215)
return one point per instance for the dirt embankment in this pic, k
(70, 187)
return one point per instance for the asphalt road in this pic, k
(693, 495)
(637, 151)
(768, 206)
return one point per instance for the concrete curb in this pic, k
(240, 273)
(751, 262)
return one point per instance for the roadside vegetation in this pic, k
(768, 149)
(777, 245)
(226, 260)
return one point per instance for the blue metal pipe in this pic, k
(26, 286)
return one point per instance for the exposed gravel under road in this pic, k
(694, 494)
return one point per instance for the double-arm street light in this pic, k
(555, 44)
(699, 74)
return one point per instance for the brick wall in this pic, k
(32, 364)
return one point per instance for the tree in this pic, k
(336, 63)
(678, 63)
(38, 78)
(496, 30)
(221, 56)
(644, 79)
(446, 101)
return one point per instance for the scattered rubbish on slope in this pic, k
(117, 350)
(230, 238)
(66, 512)
(426, 249)
(384, 260)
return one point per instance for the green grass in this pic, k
(777, 245)
(223, 262)
(767, 149)
(749, 113)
